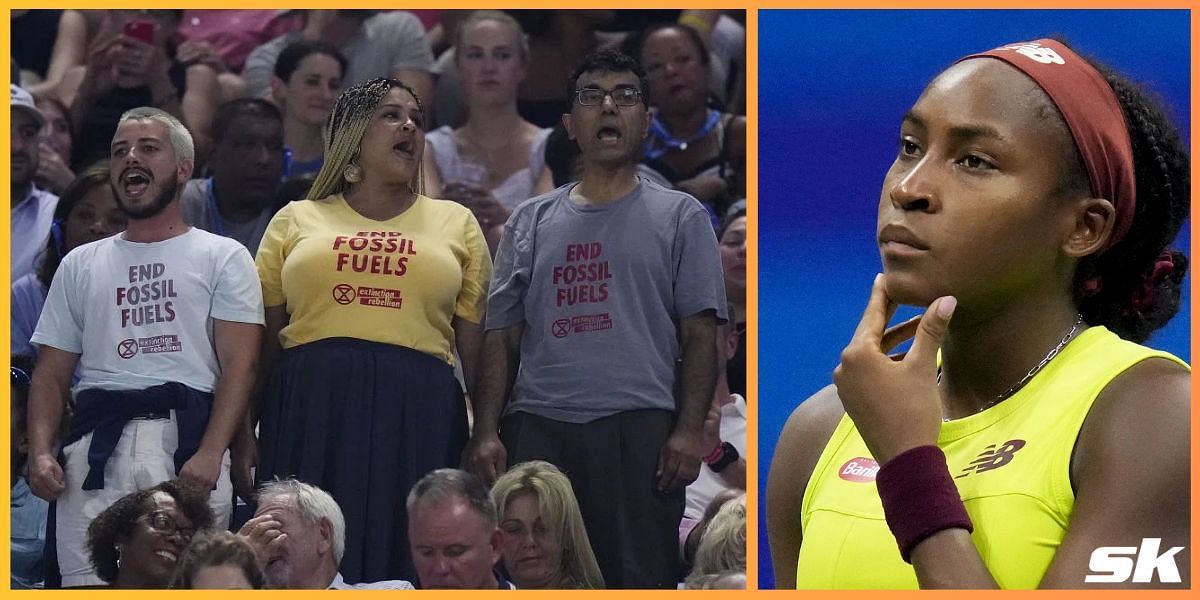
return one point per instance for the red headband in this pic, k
(1093, 114)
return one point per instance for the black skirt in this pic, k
(363, 421)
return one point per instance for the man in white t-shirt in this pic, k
(164, 322)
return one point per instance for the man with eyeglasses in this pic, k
(607, 294)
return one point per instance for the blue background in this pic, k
(833, 86)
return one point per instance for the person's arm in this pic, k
(485, 455)
(237, 346)
(244, 450)
(97, 80)
(69, 44)
(201, 95)
(800, 444)
(48, 392)
(1130, 466)
(1131, 471)
(468, 338)
(679, 460)
(545, 182)
(433, 180)
(421, 81)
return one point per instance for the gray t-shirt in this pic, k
(198, 211)
(601, 291)
(386, 43)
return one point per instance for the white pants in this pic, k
(143, 458)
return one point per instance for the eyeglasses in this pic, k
(622, 96)
(19, 377)
(166, 526)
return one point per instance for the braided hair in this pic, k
(1133, 288)
(344, 134)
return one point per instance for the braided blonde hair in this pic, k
(344, 133)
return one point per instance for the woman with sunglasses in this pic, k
(136, 543)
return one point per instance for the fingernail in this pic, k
(946, 306)
(878, 276)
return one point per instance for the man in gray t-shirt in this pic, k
(601, 330)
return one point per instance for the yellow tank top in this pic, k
(1011, 464)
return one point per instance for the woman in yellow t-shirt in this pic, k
(370, 287)
(1030, 207)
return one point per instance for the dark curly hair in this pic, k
(608, 61)
(116, 522)
(637, 40)
(1119, 288)
(87, 180)
(214, 549)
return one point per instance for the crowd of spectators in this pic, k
(275, 280)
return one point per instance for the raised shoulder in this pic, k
(804, 437)
(1130, 471)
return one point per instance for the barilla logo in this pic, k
(859, 470)
(1039, 53)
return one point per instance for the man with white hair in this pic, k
(299, 534)
(164, 322)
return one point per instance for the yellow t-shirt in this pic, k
(1011, 464)
(398, 281)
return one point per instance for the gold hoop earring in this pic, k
(352, 173)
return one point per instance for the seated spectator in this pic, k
(306, 84)
(137, 541)
(723, 547)
(86, 212)
(732, 237)
(299, 536)
(34, 45)
(135, 61)
(375, 44)
(233, 34)
(54, 167)
(239, 197)
(558, 41)
(219, 560)
(692, 147)
(27, 512)
(545, 545)
(32, 207)
(496, 160)
(453, 533)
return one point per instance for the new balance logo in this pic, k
(1038, 53)
(993, 457)
(1111, 564)
(859, 470)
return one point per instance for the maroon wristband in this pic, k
(919, 497)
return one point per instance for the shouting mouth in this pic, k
(135, 181)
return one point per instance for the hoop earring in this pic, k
(352, 173)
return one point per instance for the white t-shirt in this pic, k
(708, 484)
(141, 315)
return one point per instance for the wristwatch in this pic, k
(729, 455)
